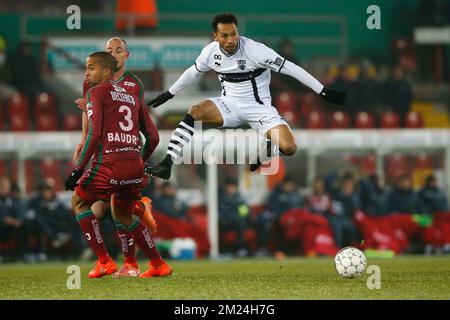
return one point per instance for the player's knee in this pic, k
(289, 149)
(77, 203)
(196, 111)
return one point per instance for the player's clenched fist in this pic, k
(81, 103)
(72, 180)
(159, 100)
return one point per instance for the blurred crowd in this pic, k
(43, 227)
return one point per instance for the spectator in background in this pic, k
(56, 226)
(6, 89)
(12, 212)
(26, 75)
(319, 201)
(403, 199)
(345, 203)
(369, 88)
(284, 197)
(234, 214)
(398, 92)
(168, 204)
(373, 197)
(433, 199)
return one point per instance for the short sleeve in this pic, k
(264, 56)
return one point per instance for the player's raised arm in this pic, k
(269, 59)
(297, 72)
(190, 75)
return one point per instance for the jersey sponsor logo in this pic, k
(125, 182)
(278, 61)
(129, 84)
(241, 64)
(118, 88)
(217, 57)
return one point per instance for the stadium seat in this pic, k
(18, 104)
(397, 164)
(339, 120)
(18, 113)
(389, 120)
(368, 164)
(44, 103)
(46, 122)
(285, 101)
(72, 122)
(364, 120)
(19, 122)
(413, 120)
(1, 116)
(3, 169)
(50, 169)
(423, 161)
(286, 105)
(316, 120)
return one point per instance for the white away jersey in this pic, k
(245, 74)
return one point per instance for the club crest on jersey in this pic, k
(118, 89)
(241, 64)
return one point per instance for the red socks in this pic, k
(145, 241)
(127, 244)
(91, 231)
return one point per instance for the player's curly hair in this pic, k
(105, 59)
(223, 18)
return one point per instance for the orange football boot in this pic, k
(128, 270)
(147, 217)
(103, 269)
(161, 270)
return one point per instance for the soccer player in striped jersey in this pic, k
(243, 67)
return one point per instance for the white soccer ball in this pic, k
(350, 262)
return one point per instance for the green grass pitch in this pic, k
(405, 277)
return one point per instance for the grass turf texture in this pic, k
(404, 277)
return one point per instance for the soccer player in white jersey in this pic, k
(243, 67)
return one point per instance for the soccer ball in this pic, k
(350, 262)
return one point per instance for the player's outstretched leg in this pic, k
(180, 137)
(205, 111)
(280, 142)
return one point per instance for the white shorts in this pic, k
(259, 117)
